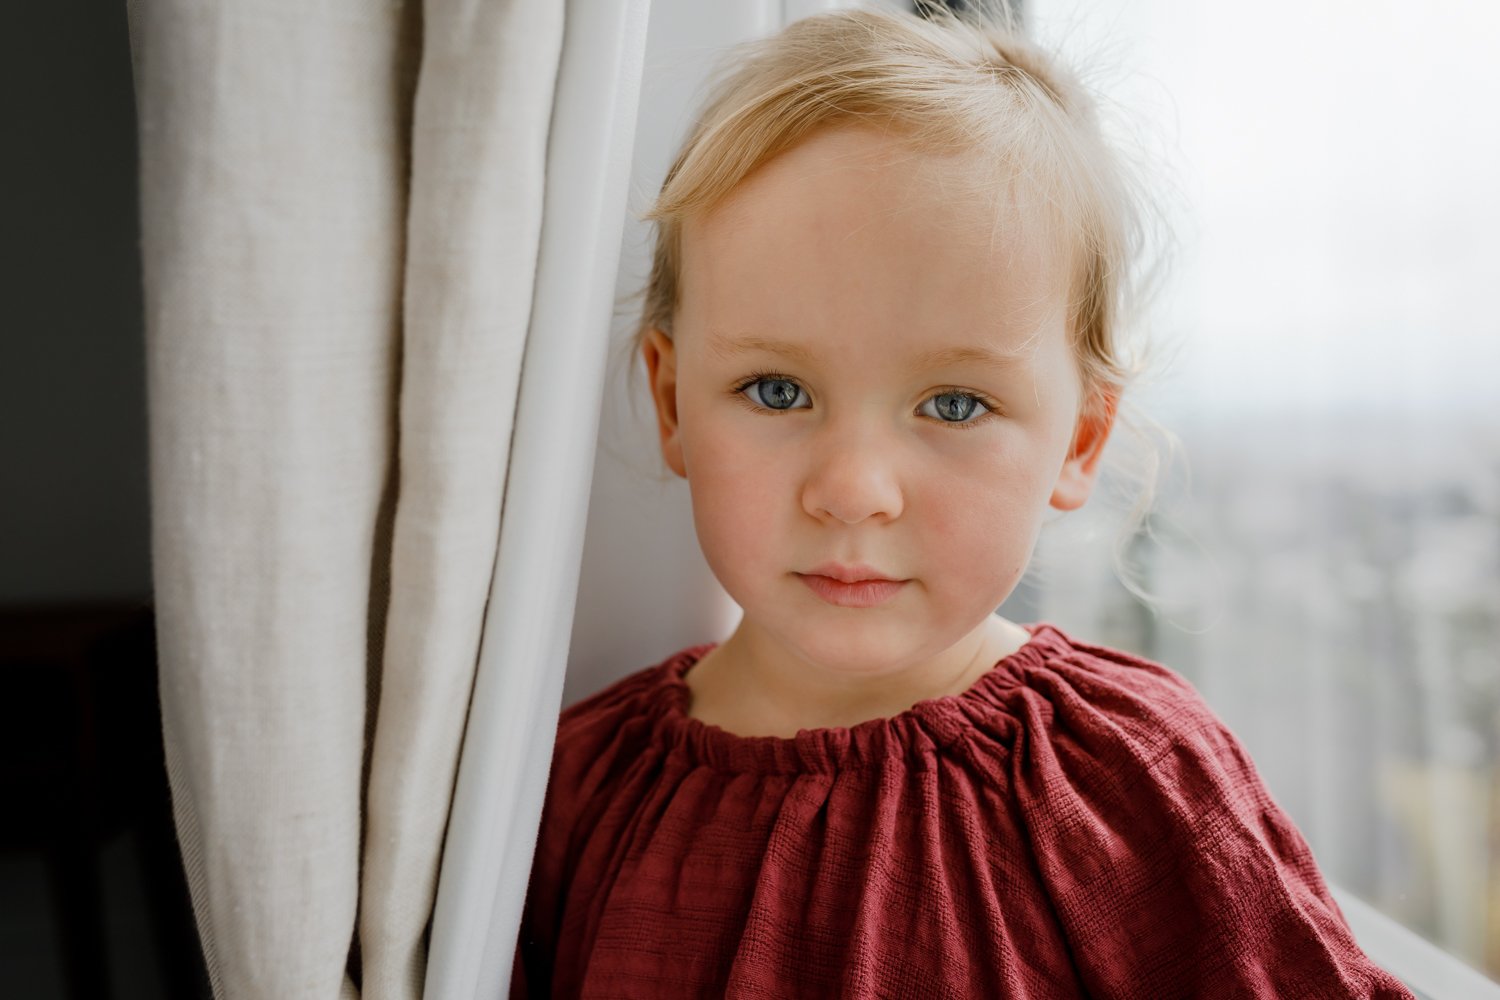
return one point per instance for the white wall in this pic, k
(645, 590)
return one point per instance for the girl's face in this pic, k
(866, 372)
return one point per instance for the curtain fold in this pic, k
(342, 207)
(272, 172)
(512, 722)
(479, 151)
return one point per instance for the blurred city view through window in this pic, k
(1325, 562)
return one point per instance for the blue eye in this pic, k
(773, 392)
(954, 407)
(778, 394)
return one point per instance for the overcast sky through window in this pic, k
(1338, 211)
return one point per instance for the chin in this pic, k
(856, 647)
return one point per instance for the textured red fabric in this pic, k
(1078, 823)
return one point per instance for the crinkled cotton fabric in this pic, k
(1078, 823)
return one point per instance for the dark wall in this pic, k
(73, 473)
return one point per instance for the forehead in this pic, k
(860, 237)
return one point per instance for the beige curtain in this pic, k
(342, 209)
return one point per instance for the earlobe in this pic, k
(1081, 469)
(660, 355)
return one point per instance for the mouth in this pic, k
(851, 586)
(858, 573)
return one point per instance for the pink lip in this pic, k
(857, 573)
(865, 594)
(851, 586)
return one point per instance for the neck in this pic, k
(749, 687)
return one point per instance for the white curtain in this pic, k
(350, 379)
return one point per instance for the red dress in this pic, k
(1078, 823)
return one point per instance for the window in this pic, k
(1331, 582)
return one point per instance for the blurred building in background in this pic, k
(1324, 561)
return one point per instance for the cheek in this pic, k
(988, 515)
(735, 492)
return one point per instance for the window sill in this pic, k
(1426, 969)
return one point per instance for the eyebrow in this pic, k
(730, 348)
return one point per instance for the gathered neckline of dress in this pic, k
(912, 734)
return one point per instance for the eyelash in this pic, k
(760, 376)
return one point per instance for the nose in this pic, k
(853, 477)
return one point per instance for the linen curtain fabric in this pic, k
(342, 206)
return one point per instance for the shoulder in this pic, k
(1166, 857)
(623, 695)
(612, 726)
(1132, 710)
(1123, 764)
(582, 725)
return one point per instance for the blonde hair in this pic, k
(944, 82)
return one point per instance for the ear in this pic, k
(1081, 469)
(661, 371)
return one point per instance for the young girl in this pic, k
(881, 337)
